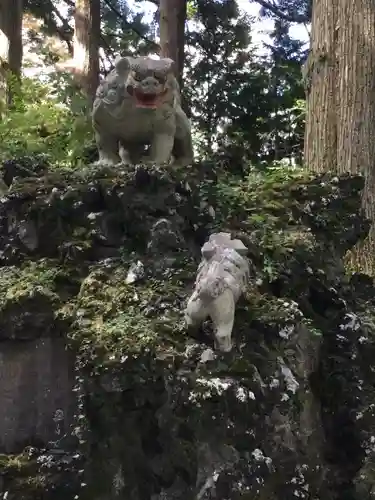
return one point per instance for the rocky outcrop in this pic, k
(103, 262)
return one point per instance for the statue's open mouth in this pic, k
(146, 100)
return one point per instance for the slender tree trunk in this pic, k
(86, 45)
(10, 46)
(172, 15)
(340, 78)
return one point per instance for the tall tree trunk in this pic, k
(172, 15)
(320, 75)
(340, 126)
(86, 45)
(356, 120)
(10, 46)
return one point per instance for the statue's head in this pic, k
(147, 80)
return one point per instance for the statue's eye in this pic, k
(138, 77)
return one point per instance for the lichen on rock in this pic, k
(161, 414)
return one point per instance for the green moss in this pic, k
(115, 319)
(32, 279)
(24, 479)
(266, 199)
(13, 463)
(22, 472)
(35, 299)
(271, 310)
(26, 282)
(288, 199)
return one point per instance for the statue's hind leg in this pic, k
(222, 311)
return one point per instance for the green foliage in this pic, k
(257, 199)
(285, 136)
(39, 121)
(191, 10)
(222, 70)
(245, 106)
(124, 30)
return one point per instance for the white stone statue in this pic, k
(138, 105)
(222, 277)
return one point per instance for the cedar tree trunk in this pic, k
(172, 15)
(340, 83)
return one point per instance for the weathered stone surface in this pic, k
(36, 398)
(161, 415)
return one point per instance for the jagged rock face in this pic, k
(288, 413)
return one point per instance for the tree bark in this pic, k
(340, 126)
(356, 120)
(86, 45)
(172, 33)
(11, 49)
(320, 75)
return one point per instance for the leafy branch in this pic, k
(126, 23)
(276, 11)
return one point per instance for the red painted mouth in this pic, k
(145, 100)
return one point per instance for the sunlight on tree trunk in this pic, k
(4, 56)
(340, 78)
(172, 32)
(86, 45)
(10, 46)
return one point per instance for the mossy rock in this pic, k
(31, 475)
(33, 297)
(160, 415)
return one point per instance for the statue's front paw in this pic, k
(224, 344)
(105, 162)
